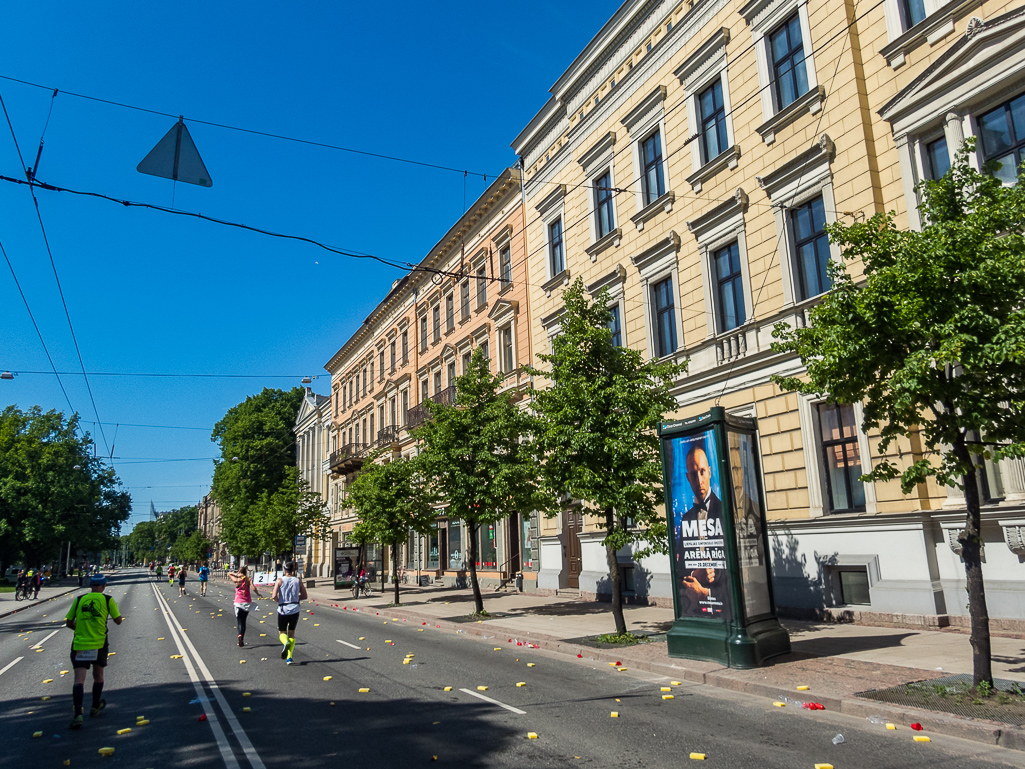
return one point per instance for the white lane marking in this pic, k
(351, 646)
(480, 696)
(37, 645)
(10, 665)
(222, 741)
(229, 714)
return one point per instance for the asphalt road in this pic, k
(406, 718)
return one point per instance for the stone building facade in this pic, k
(688, 160)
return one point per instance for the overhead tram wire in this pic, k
(39, 333)
(254, 132)
(408, 266)
(53, 266)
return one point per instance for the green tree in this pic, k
(289, 511)
(190, 548)
(257, 449)
(932, 341)
(596, 434)
(52, 490)
(476, 455)
(391, 500)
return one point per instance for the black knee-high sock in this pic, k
(97, 691)
(78, 695)
(240, 620)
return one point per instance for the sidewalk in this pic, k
(9, 606)
(835, 661)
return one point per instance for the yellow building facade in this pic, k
(688, 160)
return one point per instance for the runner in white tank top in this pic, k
(289, 590)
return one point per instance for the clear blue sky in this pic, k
(447, 83)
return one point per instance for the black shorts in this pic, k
(100, 661)
(287, 622)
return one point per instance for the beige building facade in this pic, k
(312, 439)
(469, 291)
(688, 160)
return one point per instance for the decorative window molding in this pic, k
(550, 210)
(553, 283)
(613, 281)
(938, 23)
(664, 203)
(551, 201)
(658, 257)
(726, 159)
(763, 17)
(645, 115)
(722, 226)
(813, 457)
(708, 60)
(599, 155)
(612, 239)
(503, 236)
(794, 183)
(983, 68)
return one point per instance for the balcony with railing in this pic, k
(349, 457)
(387, 436)
(418, 414)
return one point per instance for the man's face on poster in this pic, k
(699, 474)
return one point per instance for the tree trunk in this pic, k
(478, 599)
(971, 551)
(615, 575)
(395, 569)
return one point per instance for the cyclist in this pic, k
(288, 591)
(88, 618)
(21, 589)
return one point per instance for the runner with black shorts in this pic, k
(288, 591)
(88, 618)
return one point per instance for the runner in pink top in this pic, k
(244, 588)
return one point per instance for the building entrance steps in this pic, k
(835, 661)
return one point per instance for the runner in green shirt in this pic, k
(88, 618)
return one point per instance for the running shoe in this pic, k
(241, 642)
(95, 711)
(77, 721)
(289, 661)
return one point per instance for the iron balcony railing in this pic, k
(350, 452)
(387, 435)
(418, 414)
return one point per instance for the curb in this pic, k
(975, 730)
(39, 601)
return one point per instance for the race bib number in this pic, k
(87, 655)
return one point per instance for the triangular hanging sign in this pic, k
(176, 157)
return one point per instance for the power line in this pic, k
(255, 132)
(53, 266)
(167, 375)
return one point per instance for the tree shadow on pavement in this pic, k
(356, 730)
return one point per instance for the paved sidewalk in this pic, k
(9, 606)
(834, 661)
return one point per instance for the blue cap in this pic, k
(97, 580)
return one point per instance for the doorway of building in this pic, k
(574, 561)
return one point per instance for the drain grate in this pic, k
(954, 694)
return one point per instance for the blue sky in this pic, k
(449, 84)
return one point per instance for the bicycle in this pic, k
(21, 593)
(361, 588)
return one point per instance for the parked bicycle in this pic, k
(23, 592)
(361, 587)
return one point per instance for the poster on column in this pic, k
(698, 534)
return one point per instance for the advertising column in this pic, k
(718, 545)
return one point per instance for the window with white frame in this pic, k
(380, 365)
(507, 359)
(425, 389)
(836, 453)
(451, 371)
(612, 282)
(785, 61)
(482, 285)
(464, 299)
(404, 396)
(659, 274)
(722, 245)
(1002, 138)
(466, 361)
(556, 252)
(391, 354)
(646, 125)
(937, 157)
(436, 321)
(653, 185)
(505, 265)
(423, 333)
(450, 312)
(604, 205)
(705, 79)
(801, 192)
